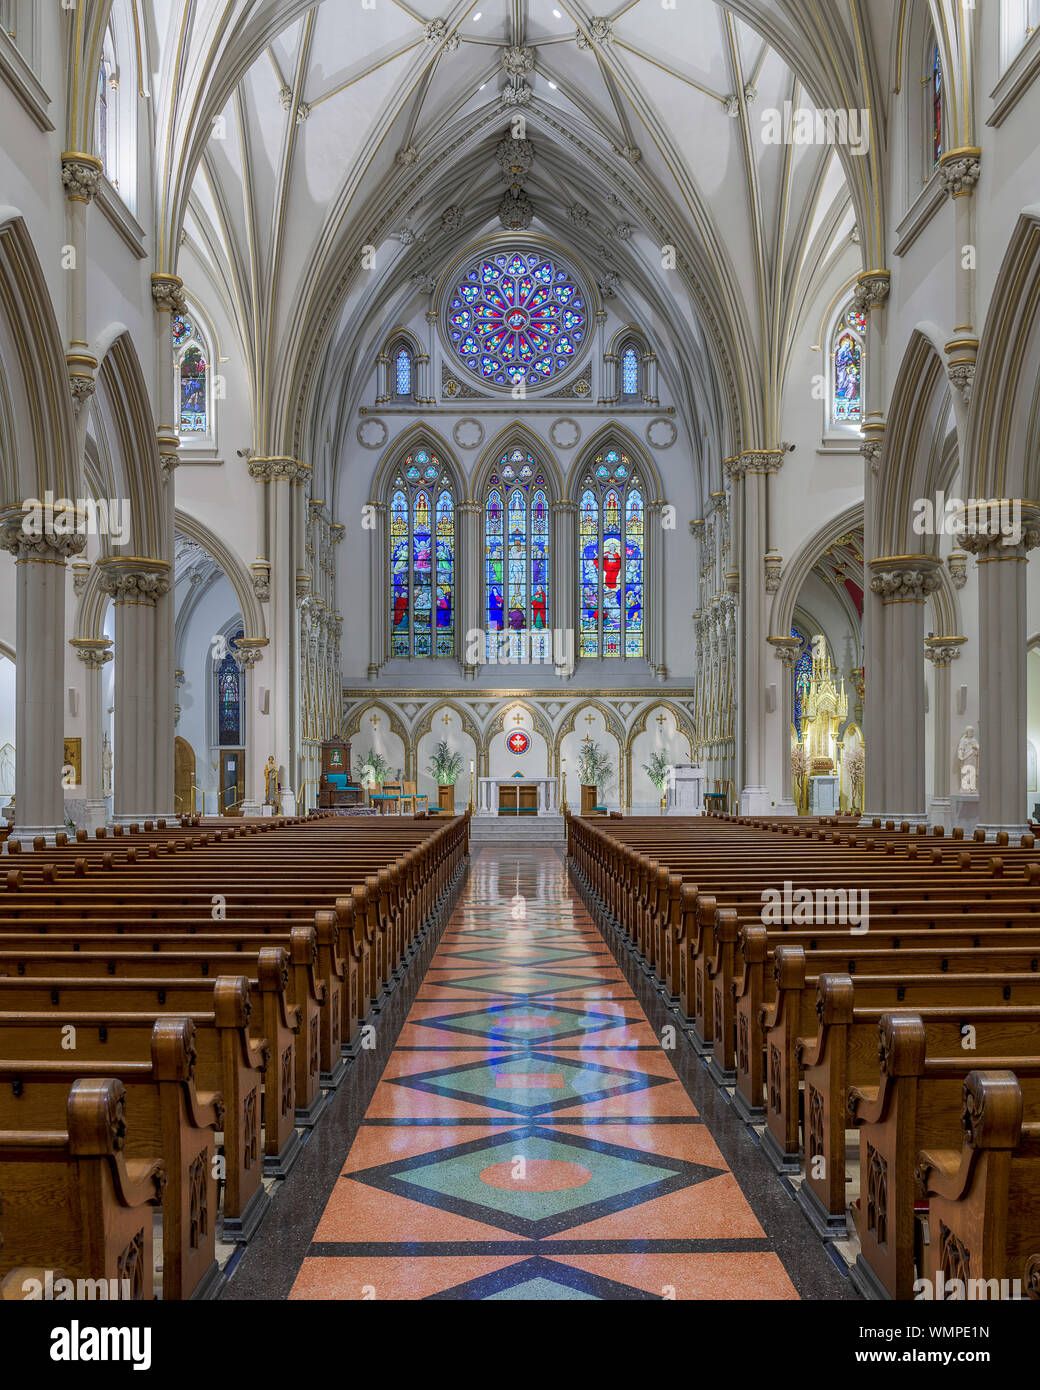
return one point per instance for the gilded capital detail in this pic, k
(144, 586)
(959, 170)
(81, 176)
(904, 578)
(47, 547)
(168, 293)
(266, 470)
(871, 290)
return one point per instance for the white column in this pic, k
(1002, 676)
(377, 633)
(786, 649)
(749, 473)
(903, 582)
(137, 588)
(94, 652)
(564, 586)
(940, 651)
(470, 588)
(40, 565)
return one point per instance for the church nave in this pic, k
(528, 1137)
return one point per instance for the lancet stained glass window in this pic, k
(848, 368)
(802, 676)
(630, 372)
(516, 560)
(936, 111)
(422, 559)
(403, 365)
(192, 378)
(516, 316)
(611, 541)
(229, 698)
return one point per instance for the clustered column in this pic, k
(469, 576)
(902, 583)
(40, 562)
(137, 589)
(95, 653)
(940, 651)
(1002, 673)
(565, 516)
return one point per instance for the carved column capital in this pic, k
(168, 293)
(94, 652)
(786, 649)
(81, 176)
(697, 527)
(940, 651)
(277, 468)
(754, 461)
(135, 581)
(871, 290)
(959, 170)
(904, 578)
(42, 543)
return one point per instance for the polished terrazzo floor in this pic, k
(529, 1138)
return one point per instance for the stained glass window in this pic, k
(229, 698)
(422, 559)
(848, 368)
(516, 551)
(192, 378)
(102, 114)
(516, 317)
(629, 372)
(802, 676)
(611, 540)
(404, 372)
(937, 99)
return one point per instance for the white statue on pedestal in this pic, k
(106, 766)
(968, 756)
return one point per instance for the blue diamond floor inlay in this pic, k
(533, 1024)
(608, 1179)
(531, 1083)
(538, 1280)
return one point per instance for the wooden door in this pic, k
(232, 781)
(183, 775)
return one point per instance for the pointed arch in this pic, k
(38, 447)
(1002, 436)
(123, 426)
(235, 571)
(516, 435)
(415, 437)
(920, 417)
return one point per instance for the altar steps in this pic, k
(517, 830)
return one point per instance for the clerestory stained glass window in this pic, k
(422, 559)
(937, 104)
(516, 316)
(192, 379)
(516, 560)
(229, 698)
(802, 676)
(404, 372)
(611, 541)
(848, 368)
(630, 372)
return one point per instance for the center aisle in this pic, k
(529, 1138)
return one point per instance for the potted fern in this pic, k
(444, 767)
(594, 772)
(373, 768)
(657, 770)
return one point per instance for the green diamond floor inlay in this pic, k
(538, 1291)
(524, 982)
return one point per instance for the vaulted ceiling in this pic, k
(307, 134)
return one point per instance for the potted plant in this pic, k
(657, 770)
(594, 771)
(373, 768)
(444, 767)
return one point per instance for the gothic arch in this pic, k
(621, 438)
(237, 576)
(414, 437)
(683, 722)
(124, 427)
(611, 721)
(515, 435)
(798, 568)
(1002, 438)
(351, 726)
(920, 417)
(38, 447)
(497, 723)
(425, 724)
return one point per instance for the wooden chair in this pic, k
(410, 799)
(386, 796)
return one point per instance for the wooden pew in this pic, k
(917, 1103)
(227, 1062)
(72, 1199)
(984, 1196)
(167, 1118)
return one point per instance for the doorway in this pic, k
(183, 777)
(232, 781)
